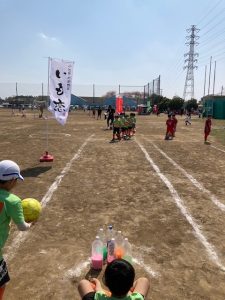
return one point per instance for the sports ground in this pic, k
(167, 197)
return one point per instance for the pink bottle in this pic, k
(97, 254)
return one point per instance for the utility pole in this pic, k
(205, 81)
(190, 60)
(214, 78)
(93, 97)
(210, 66)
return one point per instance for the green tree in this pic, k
(164, 104)
(155, 99)
(191, 105)
(176, 104)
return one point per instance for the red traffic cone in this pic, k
(46, 157)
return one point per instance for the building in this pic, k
(214, 106)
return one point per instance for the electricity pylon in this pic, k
(191, 60)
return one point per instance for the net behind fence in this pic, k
(152, 88)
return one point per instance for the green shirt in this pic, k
(122, 120)
(103, 296)
(133, 120)
(126, 123)
(10, 208)
(117, 123)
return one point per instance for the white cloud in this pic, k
(47, 38)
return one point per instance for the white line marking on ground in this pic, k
(77, 270)
(58, 179)
(148, 269)
(21, 236)
(192, 179)
(40, 135)
(144, 249)
(217, 148)
(209, 247)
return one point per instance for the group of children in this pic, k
(171, 125)
(124, 126)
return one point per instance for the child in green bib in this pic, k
(10, 209)
(119, 278)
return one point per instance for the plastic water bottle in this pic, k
(110, 234)
(119, 247)
(97, 254)
(111, 251)
(127, 255)
(102, 237)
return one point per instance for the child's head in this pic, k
(119, 277)
(9, 173)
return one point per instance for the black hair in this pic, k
(119, 277)
(3, 181)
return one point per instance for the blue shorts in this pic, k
(4, 275)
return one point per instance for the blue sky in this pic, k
(112, 42)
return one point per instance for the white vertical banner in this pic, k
(60, 84)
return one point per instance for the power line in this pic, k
(215, 52)
(208, 39)
(213, 19)
(209, 12)
(210, 45)
(215, 56)
(221, 21)
(173, 65)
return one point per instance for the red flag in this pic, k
(119, 104)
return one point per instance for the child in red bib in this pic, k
(208, 124)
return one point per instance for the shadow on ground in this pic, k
(35, 171)
(92, 274)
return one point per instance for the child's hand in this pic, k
(96, 284)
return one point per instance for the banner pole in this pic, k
(47, 157)
(48, 98)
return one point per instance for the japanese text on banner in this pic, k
(60, 83)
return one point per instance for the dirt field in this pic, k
(167, 197)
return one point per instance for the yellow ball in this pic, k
(31, 209)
